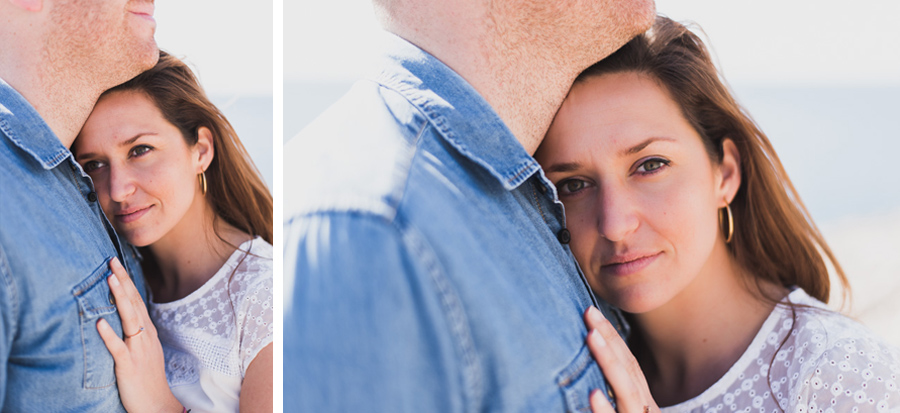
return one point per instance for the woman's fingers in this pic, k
(140, 366)
(114, 344)
(132, 311)
(599, 404)
(628, 395)
(618, 364)
(596, 320)
(128, 286)
(131, 322)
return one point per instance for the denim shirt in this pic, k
(55, 246)
(426, 265)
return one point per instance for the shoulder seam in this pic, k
(454, 312)
(10, 285)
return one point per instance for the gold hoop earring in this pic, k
(202, 177)
(730, 233)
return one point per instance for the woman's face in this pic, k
(640, 191)
(144, 172)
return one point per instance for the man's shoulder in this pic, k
(356, 156)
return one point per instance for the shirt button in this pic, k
(564, 236)
(112, 300)
(542, 188)
(92, 197)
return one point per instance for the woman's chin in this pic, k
(137, 239)
(633, 302)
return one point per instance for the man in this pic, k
(56, 58)
(426, 264)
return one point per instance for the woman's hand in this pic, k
(620, 368)
(140, 366)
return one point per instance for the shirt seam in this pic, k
(454, 313)
(399, 193)
(12, 136)
(10, 285)
(423, 105)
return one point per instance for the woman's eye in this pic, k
(652, 165)
(91, 166)
(140, 150)
(571, 186)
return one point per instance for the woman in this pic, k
(173, 178)
(682, 216)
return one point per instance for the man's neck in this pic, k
(57, 96)
(526, 101)
(521, 81)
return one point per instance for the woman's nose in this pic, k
(121, 184)
(617, 215)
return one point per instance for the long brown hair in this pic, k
(235, 189)
(775, 238)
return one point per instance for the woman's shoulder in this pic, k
(249, 272)
(840, 364)
(828, 333)
(255, 261)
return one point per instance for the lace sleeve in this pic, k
(851, 375)
(255, 303)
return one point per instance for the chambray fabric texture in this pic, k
(423, 272)
(55, 246)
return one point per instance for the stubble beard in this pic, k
(89, 52)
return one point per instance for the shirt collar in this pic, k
(460, 115)
(22, 125)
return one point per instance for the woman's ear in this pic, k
(205, 148)
(729, 171)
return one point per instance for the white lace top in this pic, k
(828, 364)
(210, 337)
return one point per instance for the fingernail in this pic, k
(595, 394)
(598, 338)
(113, 281)
(595, 314)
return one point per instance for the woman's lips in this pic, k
(132, 215)
(630, 267)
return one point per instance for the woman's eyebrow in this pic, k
(573, 166)
(562, 167)
(136, 137)
(639, 147)
(79, 156)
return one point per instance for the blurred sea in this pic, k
(251, 117)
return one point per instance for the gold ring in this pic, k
(141, 330)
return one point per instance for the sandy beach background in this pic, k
(867, 248)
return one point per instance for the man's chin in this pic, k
(152, 56)
(141, 61)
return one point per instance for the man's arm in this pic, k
(364, 328)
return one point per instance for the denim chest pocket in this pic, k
(578, 380)
(95, 301)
